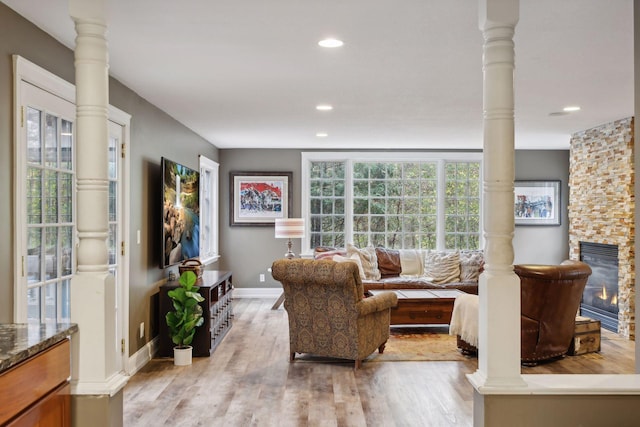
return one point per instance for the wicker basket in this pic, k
(191, 264)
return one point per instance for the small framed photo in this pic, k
(259, 198)
(537, 202)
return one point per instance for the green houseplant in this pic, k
(186, 316)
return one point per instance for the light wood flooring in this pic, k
(249, 381)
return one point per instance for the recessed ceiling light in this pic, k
(330, 43)
(324, 107)
(322, 134)
(571, 108)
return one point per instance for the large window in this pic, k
(417, 200)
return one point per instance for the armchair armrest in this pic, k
(379, 302)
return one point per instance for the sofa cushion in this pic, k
(411, 262)
(353, 258)
(388, 262)
(471, 264)
(442, 267)
(369, 260)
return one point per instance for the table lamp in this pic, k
(289, 228)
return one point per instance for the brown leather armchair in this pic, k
(550, 297)
(328, 314)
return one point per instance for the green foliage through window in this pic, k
(395, 204)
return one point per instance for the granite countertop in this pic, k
(19, 341)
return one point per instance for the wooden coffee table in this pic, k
(422, 306)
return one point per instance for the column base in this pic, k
(554, 410)
(97, 410)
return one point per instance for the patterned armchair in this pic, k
(328, 314)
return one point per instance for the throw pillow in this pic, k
(442, 267)
(388, 262)
(411, 263)
(328, 254)
(368, 259)
(353, 258)
(471, 263)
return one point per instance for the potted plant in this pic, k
(185, 318)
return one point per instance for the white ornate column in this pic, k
(96, 385)
(499, 287)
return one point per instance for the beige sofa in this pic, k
(382, 268)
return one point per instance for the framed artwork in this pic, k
(537, 202)
(258, 198)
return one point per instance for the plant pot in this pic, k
(182, 355)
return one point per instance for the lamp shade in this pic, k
(292, 228)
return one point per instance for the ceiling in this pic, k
(249, 73)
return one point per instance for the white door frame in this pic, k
(123, 120)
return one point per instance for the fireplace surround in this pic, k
(601, 203)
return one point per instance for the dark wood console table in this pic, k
(216, 288)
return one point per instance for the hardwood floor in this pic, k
(249, 381)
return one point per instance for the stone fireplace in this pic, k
(601, 206)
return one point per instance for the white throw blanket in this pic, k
(464, 320)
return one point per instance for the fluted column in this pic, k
(96, 380)
(499, 287)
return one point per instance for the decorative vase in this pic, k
(182, 355)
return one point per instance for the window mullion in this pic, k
(440, 206)
(348, 195)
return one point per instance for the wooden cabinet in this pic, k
(216, 288)
(36, 392)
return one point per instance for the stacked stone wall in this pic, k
(601, 203)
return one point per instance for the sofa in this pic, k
(390, 269)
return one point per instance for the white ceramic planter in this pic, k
(182, 356)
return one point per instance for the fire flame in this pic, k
(603, 295)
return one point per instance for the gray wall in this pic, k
(249, 251)
(153, 134)
(543, 244)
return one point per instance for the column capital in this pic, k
(88, 10)
(498, 13)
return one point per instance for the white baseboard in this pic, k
(271, 293)
(142, 356)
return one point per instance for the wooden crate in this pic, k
(586, 338)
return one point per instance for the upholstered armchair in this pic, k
(550, 297)
(328, 314)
